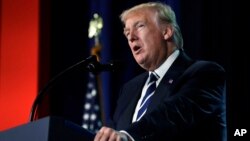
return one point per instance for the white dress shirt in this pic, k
(160, 72)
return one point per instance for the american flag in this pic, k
(92, 112)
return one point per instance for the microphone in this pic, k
(97, 67)
(86, 64)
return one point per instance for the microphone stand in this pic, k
(42, 93)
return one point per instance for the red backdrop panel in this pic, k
(19, 29)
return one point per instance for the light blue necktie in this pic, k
(147, 98)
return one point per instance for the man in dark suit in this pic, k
(177, 98)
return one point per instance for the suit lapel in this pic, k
(129, 102)
(169, 79)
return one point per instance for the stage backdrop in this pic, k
(19, 33)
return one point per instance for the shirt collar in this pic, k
(161, 71)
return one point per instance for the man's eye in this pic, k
(140, 25)
(127, 34)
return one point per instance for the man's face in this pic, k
(145, 38)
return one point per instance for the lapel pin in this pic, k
(170, 81)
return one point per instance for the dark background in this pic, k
(213, 30)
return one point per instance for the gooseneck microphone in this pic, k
(97, 67)
(90, 64)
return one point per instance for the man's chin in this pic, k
(140, 62)
(143, 65)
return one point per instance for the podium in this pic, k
(47, 129)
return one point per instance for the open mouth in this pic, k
(136, 49)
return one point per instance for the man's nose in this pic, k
(132, 37)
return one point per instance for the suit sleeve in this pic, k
(196, 103)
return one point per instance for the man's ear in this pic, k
(168, 32)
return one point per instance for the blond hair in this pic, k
(165, 15)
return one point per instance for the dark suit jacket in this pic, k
(188, 104)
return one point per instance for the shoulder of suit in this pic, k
(208, 65)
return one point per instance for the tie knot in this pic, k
(152, 78)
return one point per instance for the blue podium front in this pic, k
(47, 129)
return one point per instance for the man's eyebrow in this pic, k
(125, 29)
(134, 25)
